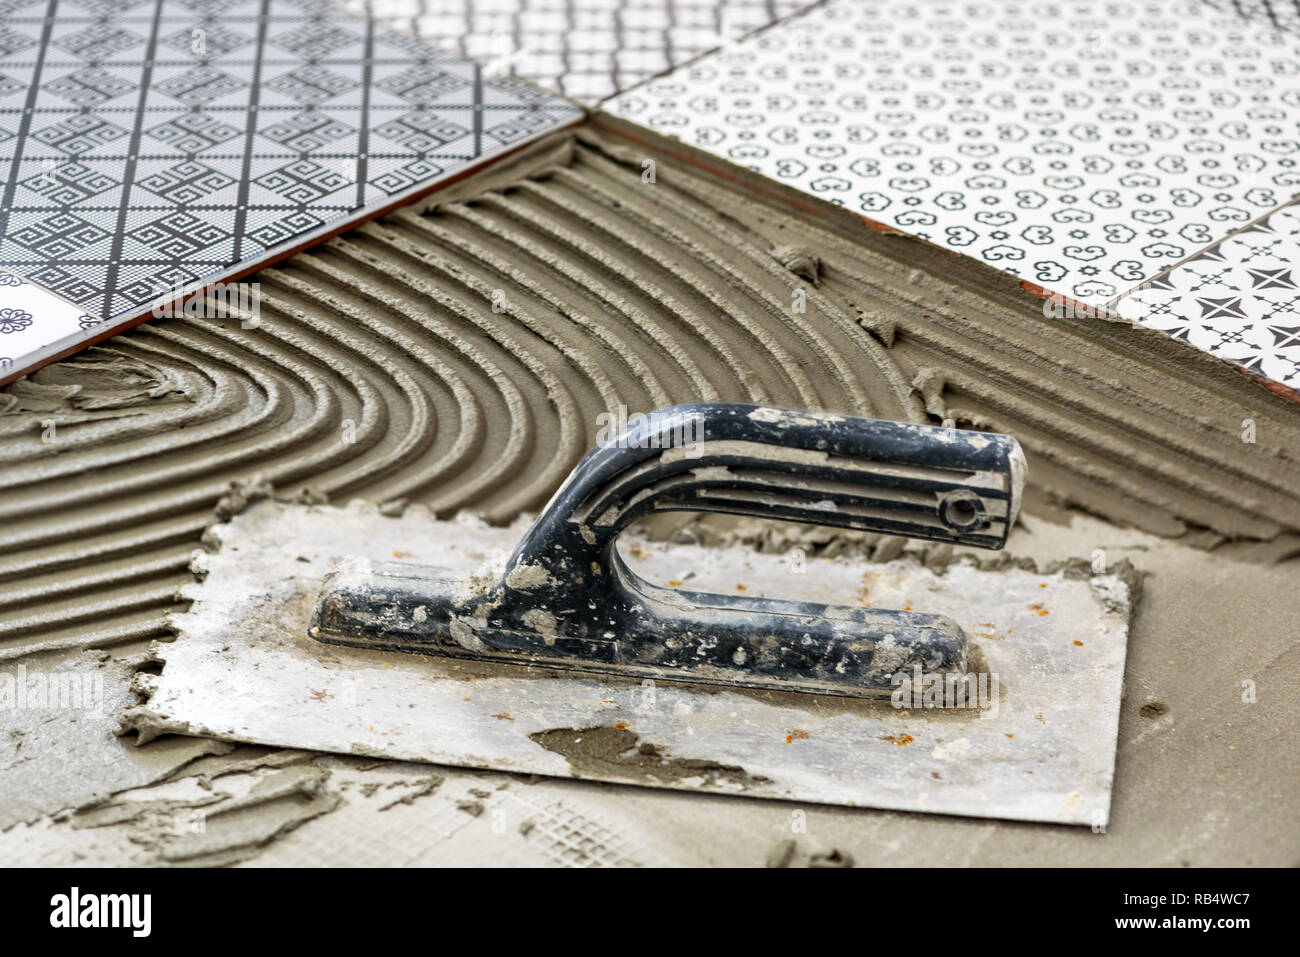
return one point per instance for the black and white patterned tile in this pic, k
(32, 318)
(1082, 146)
(586, 49)
(150, 146)
(1239, 299)
(1275, 14)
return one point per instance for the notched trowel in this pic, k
(540, 665)
(565, 599)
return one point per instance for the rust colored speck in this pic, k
(796, 733)
(503, 716)
(1078, 642)
(1039, 609)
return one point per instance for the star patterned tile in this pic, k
(1238, 300)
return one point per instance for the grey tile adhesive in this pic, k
(150, 148)
(1039, 746)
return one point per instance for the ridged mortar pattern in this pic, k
(460, 354)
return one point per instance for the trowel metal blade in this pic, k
(1042, 749)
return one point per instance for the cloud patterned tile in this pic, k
(1083, 146)
(150, 145)
(586, 49)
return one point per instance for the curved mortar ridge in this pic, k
(461, 354)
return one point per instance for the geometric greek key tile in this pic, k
(178, 235)
(150, 143)
(306, 132)
(312, 84)
(75, 182)
(186, 182)
(587, 50)
(99, 41)
(1239, 299)
(12, 41)
(200, 85)
(422, 83)
(302, 182)
(1084, 152)
(420, 130)
(88, 87)
(217, 39)
(59, 236)
(78, 134)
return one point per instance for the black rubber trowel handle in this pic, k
(566, 599)
(915, 481)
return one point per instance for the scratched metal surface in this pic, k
(244, 669)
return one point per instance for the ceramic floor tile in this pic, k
(1082, 146)
(1239, 300)
(32, 318)
(585, 49)
(148, 147)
